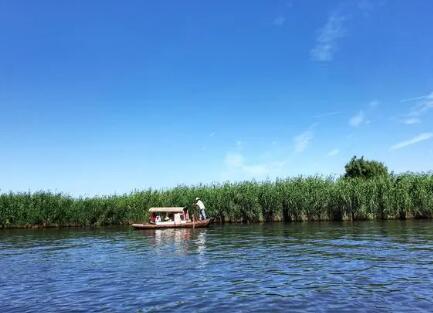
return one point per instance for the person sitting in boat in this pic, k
(158, 218)
(201, 208)
(185, 214)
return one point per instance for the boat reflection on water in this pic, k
(180, 240)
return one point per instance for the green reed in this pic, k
(314, 198)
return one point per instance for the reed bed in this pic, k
(314, 198)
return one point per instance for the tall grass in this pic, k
(294, 199)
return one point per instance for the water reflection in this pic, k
(182, 240)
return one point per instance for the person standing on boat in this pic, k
(201, 208)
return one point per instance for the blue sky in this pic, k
(98, 97)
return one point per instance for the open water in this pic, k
(319, 267)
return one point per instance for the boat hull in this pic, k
(197, 224)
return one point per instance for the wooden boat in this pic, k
(197, 224)
(173, 217)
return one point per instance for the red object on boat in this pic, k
(171, 217)
(192, 224)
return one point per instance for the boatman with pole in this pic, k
(198, 203)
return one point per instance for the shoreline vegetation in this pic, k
(314, 198)
(366, 191)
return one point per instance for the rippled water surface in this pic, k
(365, 266)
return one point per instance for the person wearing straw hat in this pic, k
(198, 203)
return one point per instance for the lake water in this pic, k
(365, 266)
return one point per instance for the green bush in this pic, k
(361, 168)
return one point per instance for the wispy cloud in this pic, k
(333, 152)
(429, 96)
(326, 114)
(368, 6)
(411, 121)
(302, 140)
(335, 27)
(357, 119)
(423, 105)
(421, 108)
(374, 104)
(237, 167)
(279, 21)
(328, 35)
(414, 140)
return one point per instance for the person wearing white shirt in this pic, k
(201, 208)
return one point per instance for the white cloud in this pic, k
(234, 159)
(279, 21)
(412, 120)
(237, 167)
(423, 105)
(326, 114)
(303, 140)
(333, 152)
(414, 140)
(357, 119)
(373, 104)
(429, 96)
(335, 26)
(422, 108)
(326, 41)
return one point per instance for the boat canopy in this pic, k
(167, 210)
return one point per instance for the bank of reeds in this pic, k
(293, 199)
